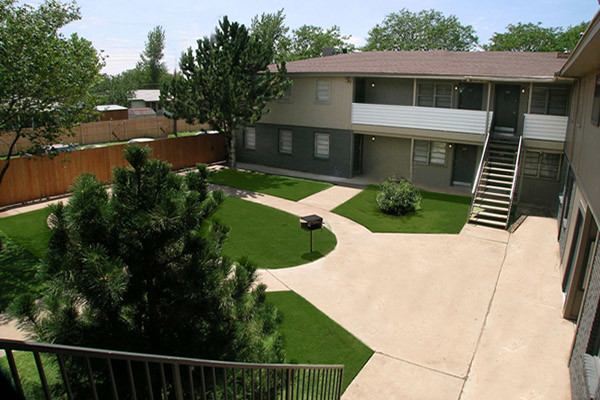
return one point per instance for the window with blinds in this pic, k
(322, 145)
(438, 153)
(287, 95)
(434, 95)
(426, 152)
(549, 101)
(541, 165)
(250, 137)
(285, 141)
(323, 91)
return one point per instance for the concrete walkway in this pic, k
(468, 316)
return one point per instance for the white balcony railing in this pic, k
(429, 118)
(545, 127)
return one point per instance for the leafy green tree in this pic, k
(269, 28)
(115, 89)
(424, 30)
(226, 82)
(151, 66)
(138, 270)
(308, 41)
(535, 37)
(46, 79)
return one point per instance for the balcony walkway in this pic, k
(469, 316)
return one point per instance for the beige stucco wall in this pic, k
(583, 143)
(303, 110)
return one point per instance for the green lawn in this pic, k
(280, 186)
(28, 373)
(29, 230)
(440, 213)
(270, 238)
(311, 337)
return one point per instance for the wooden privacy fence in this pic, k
(113, 131)
(33, 178)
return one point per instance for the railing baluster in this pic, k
(65, 377)
(234, 384)
(203, 383)
(287, 384)
(244, 384)
(14, 372)
(131, 382)
(148, 381)
(214, 379)
(260, 383)
(163, 380)
(282, 382)
(275, 383)
(191, 379)
(177, 381)
(339, 390)
(90, 374)
(268, 384)
(111, 375)
(252, 378)
(42, 375)
(225, 382)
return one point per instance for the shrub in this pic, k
(398, 197)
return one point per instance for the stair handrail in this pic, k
(481, 162)
(515, 177)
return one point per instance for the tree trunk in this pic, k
(9, 155)
(232, 159)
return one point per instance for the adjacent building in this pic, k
(448, 121)
(579, 214)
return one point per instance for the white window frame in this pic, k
(327, 84)
(287, 95)
(282, 142)
(322, 154)
(431, 150)
(250, 138)
(420, 155)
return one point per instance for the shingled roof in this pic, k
(477, 64)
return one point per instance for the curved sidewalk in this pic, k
(468, 316)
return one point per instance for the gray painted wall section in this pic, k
(542, 193)
(385, 156)
(435, 175)
(302, 157)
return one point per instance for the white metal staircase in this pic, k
(494, 190)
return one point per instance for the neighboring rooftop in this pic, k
(476, 64)
(110, 107)
(147, 95)
(141, 112)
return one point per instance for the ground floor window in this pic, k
(250, 137)
(428, 152)
(285, 141)
(322, 145)
(542, 165)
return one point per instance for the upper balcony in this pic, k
(422, 118)
(545, 127)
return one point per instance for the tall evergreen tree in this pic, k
(137, 270)
(151, 65)
(225, 82)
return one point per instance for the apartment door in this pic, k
(581, 260)
(358, 155)
(465, 159)
(506, 109)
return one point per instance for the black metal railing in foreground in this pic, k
(98, 374)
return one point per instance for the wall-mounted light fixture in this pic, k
(455, 87)
(450, 145)
(347, 79)
(373, 138)
(372, 84)
(523, 90)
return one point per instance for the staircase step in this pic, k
(494, 175)
(508, 153)
(488, 200)
(498, 169)
(508, 160)
(502, 145)
(487, 221)
(490, 215)
(509, 183)
(486, 194)
(501, 164)
(495, 187)
(489, 207)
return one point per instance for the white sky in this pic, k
(120, 28)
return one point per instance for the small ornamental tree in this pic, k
(398, 197)
(137, 270)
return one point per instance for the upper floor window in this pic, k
(287, 95)
(549, 101)
(596, 103)
(323, 89)
(250, 137)
(285, 141)
(434, 95)
(426, 152)
(541, 165)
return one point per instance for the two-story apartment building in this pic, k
(579, 214)
(445, 120)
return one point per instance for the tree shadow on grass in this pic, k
(315, 255)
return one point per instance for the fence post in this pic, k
(157, 128)
(109, 131)
(125, 128)
(81, 132)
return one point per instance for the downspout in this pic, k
(414, 102)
